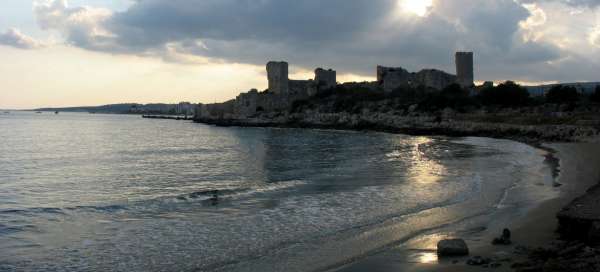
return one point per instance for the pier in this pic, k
(169, 117)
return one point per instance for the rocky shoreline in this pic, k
(424, 125)
(577, 249)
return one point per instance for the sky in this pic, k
(93, 52)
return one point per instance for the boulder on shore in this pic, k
(594, 234)
(452, 247)
(580, 220)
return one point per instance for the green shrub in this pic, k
(453, 96)
(507, 94)
(595, 96)
(562, 94)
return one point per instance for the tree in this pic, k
(562, 94)
(595, 97)
(507, 94)
(456, 97)
(407, 94)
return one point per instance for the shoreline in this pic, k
(534, 229)
(534, 135)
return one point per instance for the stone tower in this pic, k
(325, 79)
(464, 69)
(277, 73)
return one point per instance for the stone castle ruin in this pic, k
(280, 95)
(283, 92)
(392, 78)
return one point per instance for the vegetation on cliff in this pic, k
(505, 95)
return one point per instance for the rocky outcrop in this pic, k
(414, 124)
(452, 247)
(561, 256)
(580, 219)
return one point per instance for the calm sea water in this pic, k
(81, 192)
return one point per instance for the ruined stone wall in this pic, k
(390, 79)
(217, 110)
(252, 103)
(372, 86)
(301, 89)
(464, 69)
(201, 111)
(246, 104)
(325, 79)
(277, 73)
(435, 79)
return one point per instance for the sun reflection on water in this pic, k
(424, 169)
(425, 248)
(427, 257)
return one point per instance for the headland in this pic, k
(428, 102)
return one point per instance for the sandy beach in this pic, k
(578, 171)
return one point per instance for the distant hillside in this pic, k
(131, 108)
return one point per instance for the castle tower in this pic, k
(464, 69)
(277, 73)
(325, 79)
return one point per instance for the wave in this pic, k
(205, 196)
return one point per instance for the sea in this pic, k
(96, 192)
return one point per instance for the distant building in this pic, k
(488, 84)
(184, 108)
(582, 87)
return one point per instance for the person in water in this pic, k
(215, 198)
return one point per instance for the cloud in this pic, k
(508, 37)
(81, 26)
(574, 3)
(13, 37)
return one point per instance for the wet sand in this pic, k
(578, 170)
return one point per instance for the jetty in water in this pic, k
(170, 117)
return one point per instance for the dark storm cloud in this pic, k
(265, 20)
(575, 3)
(349, 35)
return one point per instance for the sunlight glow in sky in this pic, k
(418, 7)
